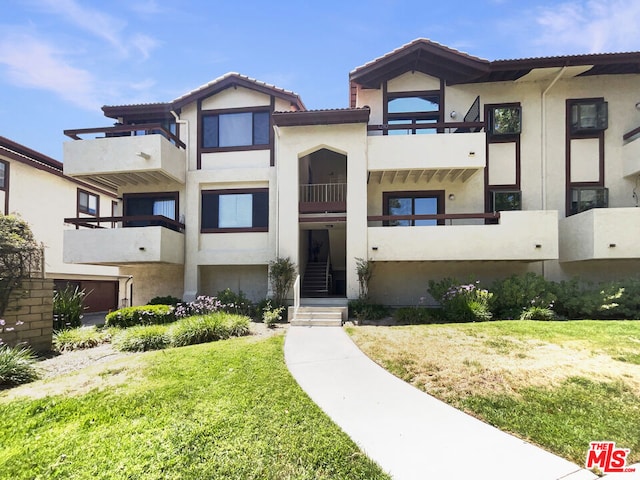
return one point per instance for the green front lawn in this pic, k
(560, 385)
(227, 410)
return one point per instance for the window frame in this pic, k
(4, 187)
(231, 111)
(439, 195)
(494, 191)
(490, 121)
(89, 194)
(127, 197)
(233, 191)
(413, 118)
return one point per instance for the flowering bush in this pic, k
(271, 315)
(466, 303)
(200, 306)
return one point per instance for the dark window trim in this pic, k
(488, 120)
(168, 195)
(90, 194)
(439, 194)
(505, 189)
(226, 111)
(569, 135)
(386, 96)
(233, 191)
(5, 187)
(515, 138)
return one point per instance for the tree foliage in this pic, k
(282, 274)
(20, 255)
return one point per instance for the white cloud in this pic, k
(590, 26)
(31, 62)
(107, 27)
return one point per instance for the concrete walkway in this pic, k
(410, 434)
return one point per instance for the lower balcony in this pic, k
(518, 236)
(123, 246)
(600, 234)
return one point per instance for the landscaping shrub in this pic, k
(514, 294)
(202, 305)
(142, 338)
(207, 328)
(282, 275)
(233, 302)
(68, 305)
(538, 313)
(142, 315)
(417, 315)
(463, 302)
(167, 300)
(79, 338)
(271, 314)
(17, 366)
(361, 309)
(619, 299)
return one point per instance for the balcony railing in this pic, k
(632, 135)
(441, 218)
(441, 127)
(127, 221)
(323, 197)
(127, 131)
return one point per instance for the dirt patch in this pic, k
(447, 363)
(80, 371)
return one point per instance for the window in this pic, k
(150, 205)
(589, 116)
(4, 170)
(504, 200)
(235, 129)
(583, 199)
(505, 120)
(413, 203)
(415, 110)
(88, 203)
(235, 211)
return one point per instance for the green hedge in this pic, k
(142, 315)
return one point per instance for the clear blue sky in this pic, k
(61, 60)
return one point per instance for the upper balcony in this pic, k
(600, 234)
(126, 155)
(453, 151)
(518, 236)
(631, 153)
(144, 239)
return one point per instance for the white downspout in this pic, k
(543, 144)
(186, 136)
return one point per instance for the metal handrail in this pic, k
(440, 126)
(326, 273)
(148, 128)
(94, 222)
(323, 192)
(296, 296)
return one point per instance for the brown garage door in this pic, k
(101, 296)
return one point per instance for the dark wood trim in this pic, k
(321, 117)
(323, 219)
(223, 111)
(199, 135)
(430, 126)
(515, 138)
(240, 148)
(569, 136)
(385, 106)
(5, 188)
(441, 106)
(631, 134)
(439, 194)
(440, 217)
(110, 131)
(88, 222)
(90, 194)
(233, 191)
(272, 139)
(322, 207)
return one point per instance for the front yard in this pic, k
(228, 409)
(560, 385)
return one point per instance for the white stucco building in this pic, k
(33, 186)
(443, 164)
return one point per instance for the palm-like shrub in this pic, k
(17, 366)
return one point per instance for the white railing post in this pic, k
(296, 296)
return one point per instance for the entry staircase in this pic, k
(316, 312)
(316, 281)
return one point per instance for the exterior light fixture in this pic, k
(453, 114)
(452, 196)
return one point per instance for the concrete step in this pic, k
(317, 316)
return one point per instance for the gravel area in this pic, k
(68, 362)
